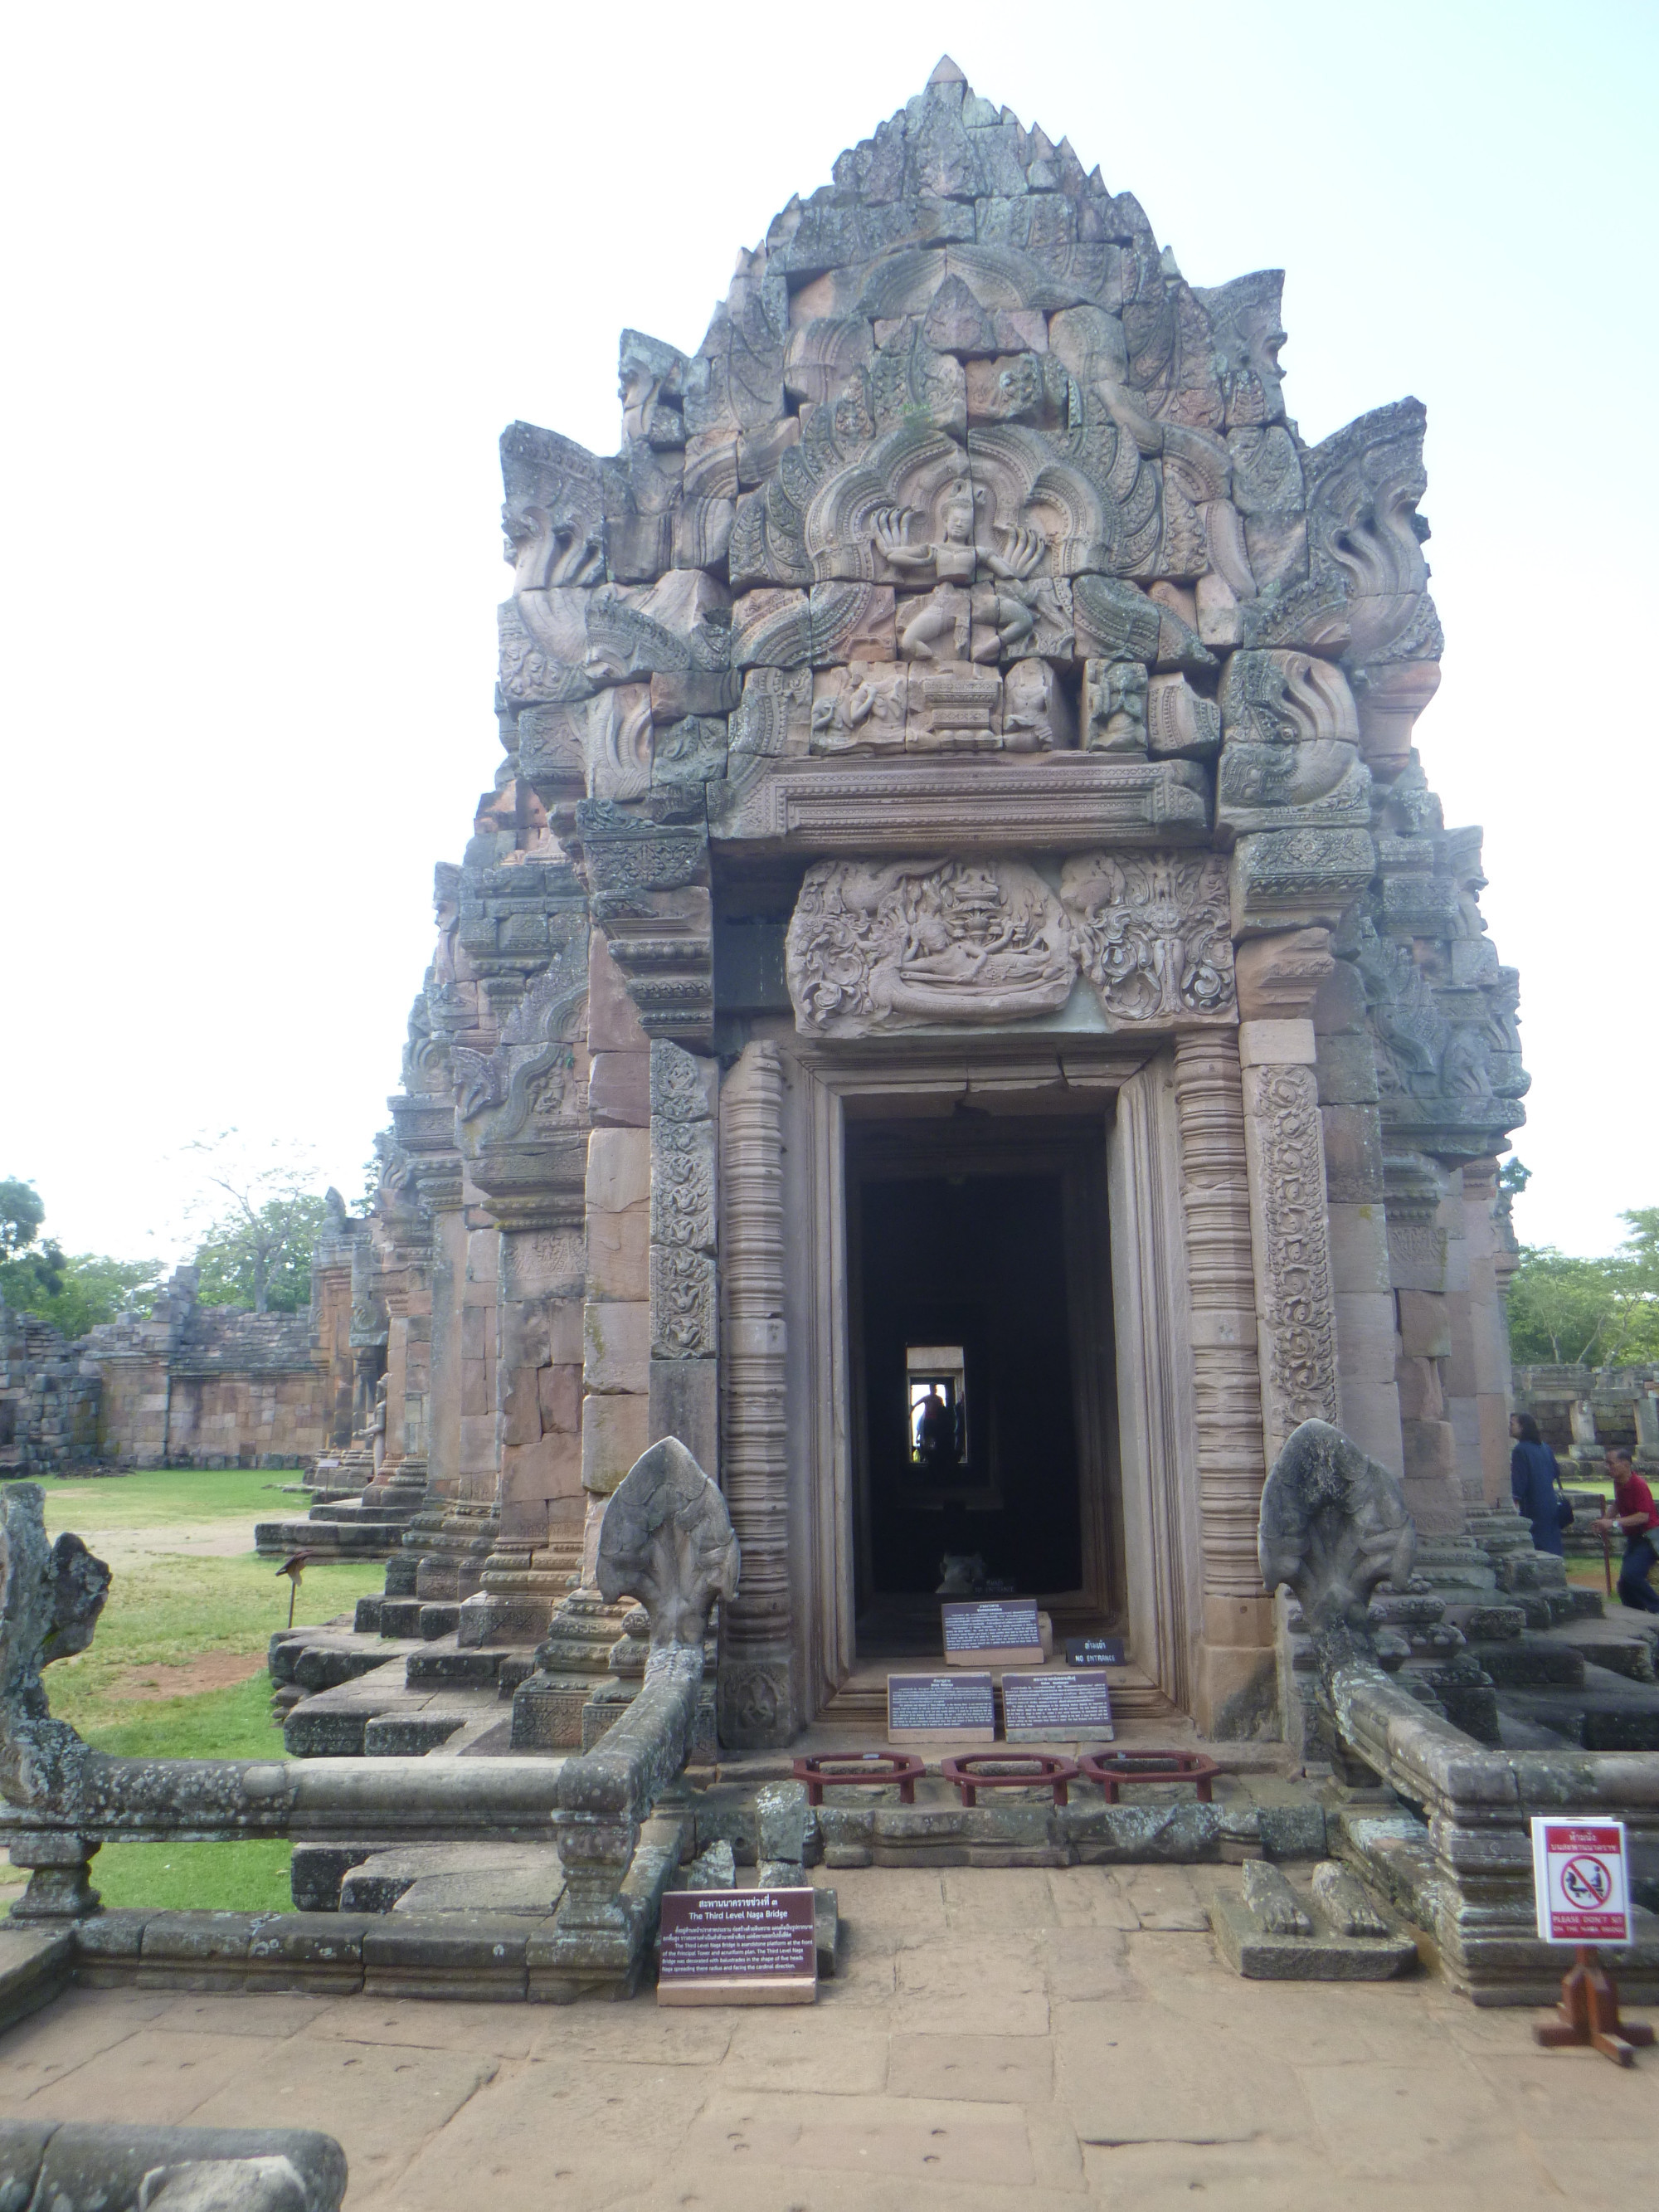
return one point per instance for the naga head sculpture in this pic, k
(51, 1596)
(1334, 1525)
(667, 1540)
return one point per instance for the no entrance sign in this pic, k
(1578, 1880)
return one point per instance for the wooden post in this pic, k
(1588, 2012)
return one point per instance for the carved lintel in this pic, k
(876, 948)
(1152, 935)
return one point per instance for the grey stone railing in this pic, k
(1456, 1855)
(665, 1539)
(75, 2166)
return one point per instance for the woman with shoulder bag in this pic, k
(1535, 1483)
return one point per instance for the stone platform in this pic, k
(1045, 2041)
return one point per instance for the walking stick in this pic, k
(1607, 1560)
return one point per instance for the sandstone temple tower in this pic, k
(960, 915)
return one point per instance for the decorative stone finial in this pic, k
(667, 1540)
(51, 1596)
(1333, 1525)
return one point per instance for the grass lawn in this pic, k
(163, 1496)
(173, 1670)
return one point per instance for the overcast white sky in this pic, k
(276, 278)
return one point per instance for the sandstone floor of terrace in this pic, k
(1018, 2039)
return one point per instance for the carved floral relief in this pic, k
(1152, 934)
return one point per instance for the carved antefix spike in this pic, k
(1334, 1525)
(667, 1540)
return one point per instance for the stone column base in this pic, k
(1236, 1686)
(759, 1710)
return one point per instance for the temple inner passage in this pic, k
(978, 1354)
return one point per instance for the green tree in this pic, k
(21, 1213)
(1604, 1312)
(1641, 1247)
(74, 1293)
(257, 1254)
(256, 1250)
(90, 1288)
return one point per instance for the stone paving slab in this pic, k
(1019, 2041)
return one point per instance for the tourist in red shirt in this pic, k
(1634, 1513)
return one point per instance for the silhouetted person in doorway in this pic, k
(936, 1434)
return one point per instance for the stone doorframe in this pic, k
(1200, 1150)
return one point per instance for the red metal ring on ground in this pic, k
(1113, 1769)
(1009, 1770)
(864, 1770)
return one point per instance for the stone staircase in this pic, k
(1491, 1635)
(348, 1522)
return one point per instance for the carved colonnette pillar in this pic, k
(1421, 1265)
(685, 1309)
(1235, 1665)
(1287, 977)
(431, 1403)
(1485, 1473)
(1285, 1156)
(758, 1698)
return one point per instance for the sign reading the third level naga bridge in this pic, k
(738, 1946)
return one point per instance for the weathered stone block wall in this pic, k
(49, 1398)
(248, 1420)
(1581, 1410)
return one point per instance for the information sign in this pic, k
(960, 1706)
(1578, 1872)
(1095, 1651)
(738, 1946)
(992, 1633)
(1057, 1708)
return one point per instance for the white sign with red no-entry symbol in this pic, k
(1578, 1878)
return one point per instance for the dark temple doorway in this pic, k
(982, 1368)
